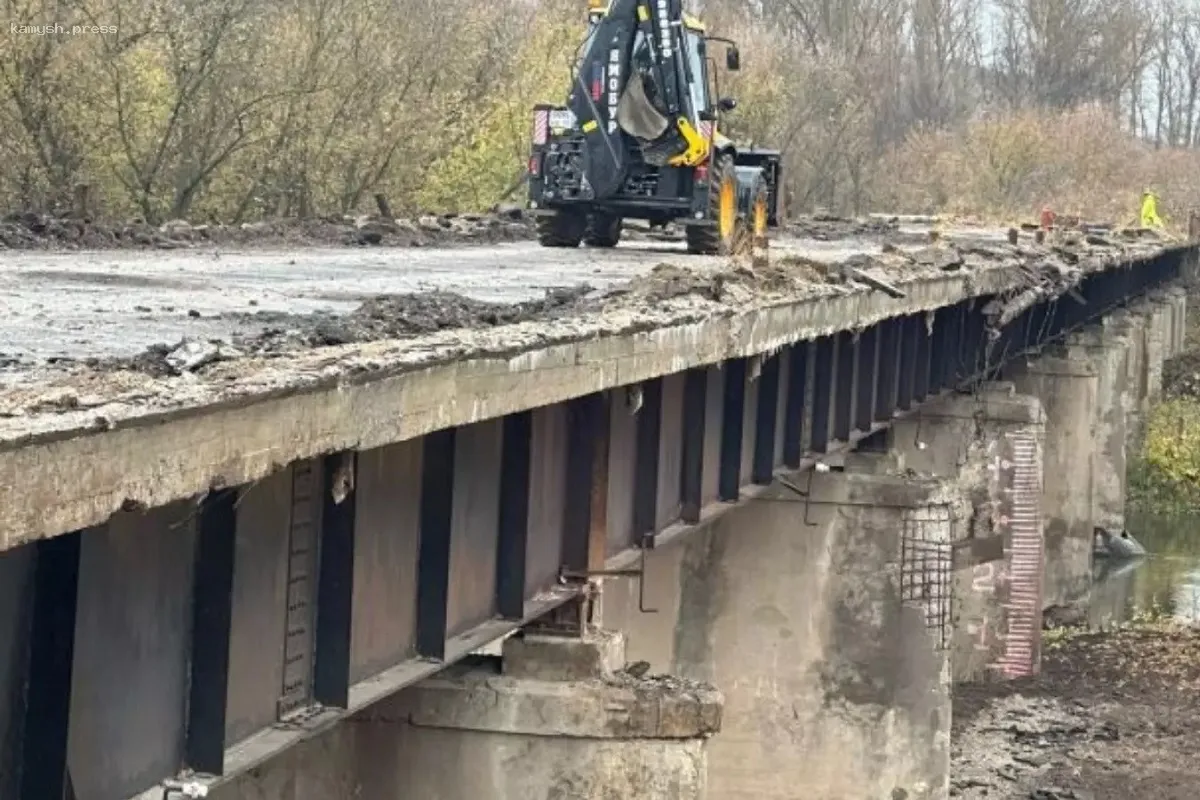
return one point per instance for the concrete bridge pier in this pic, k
(1132, 324)
(1165, 315)
(821, 611)
(1175, 300)
(1108, 347)
(1067, 382)
(555, 717)
(1097, 387)
(1155, 328)
(990, 445)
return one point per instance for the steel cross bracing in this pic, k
(349, 577)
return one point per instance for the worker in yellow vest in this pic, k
(1150, 218)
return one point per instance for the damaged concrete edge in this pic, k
(72, 479)
(995, 401)
(473, 700)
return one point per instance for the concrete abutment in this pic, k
(555, 718)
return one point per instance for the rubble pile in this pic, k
(826, 227)
(1047, 270)
(32, 231)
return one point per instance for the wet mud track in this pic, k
(1113, 716)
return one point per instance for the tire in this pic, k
(717, 239)
(562, 229)
(760, 212)
(603, 230)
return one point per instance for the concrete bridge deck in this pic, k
(363, 395)
(266, 544)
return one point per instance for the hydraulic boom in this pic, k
(638, 138)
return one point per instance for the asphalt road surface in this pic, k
(117, 303)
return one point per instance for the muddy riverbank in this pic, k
(1115, 713)
(1113, 716)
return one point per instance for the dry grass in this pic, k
(1003, 167)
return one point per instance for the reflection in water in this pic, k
(1166, 583)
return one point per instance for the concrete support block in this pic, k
(1177, 297)
(476, 731)
(555, 658)
(1170, 324)
(591, 733)
(990, 445)
(324, 767)
(1153, 309)
(1132, 325)
(1107, 347)
(1068, 386)
(891, 463)
(823, 622)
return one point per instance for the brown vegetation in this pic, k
(236, 110)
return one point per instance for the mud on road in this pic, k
(404, 316)
(1113, 716)
(28, 230)
(32, 231)
(196, 364)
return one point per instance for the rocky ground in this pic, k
(33, 231)
(1113, 716)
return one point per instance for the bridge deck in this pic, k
(380, 508)
(221, 423)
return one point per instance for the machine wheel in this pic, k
(718, 239)
(563, 229)
(760, 213)
(603, 230)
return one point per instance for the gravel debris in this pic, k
(1112, 716)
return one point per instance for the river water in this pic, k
(1165, 584)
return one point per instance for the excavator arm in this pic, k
(637, 138)
(632, 79)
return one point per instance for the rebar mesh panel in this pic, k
(926, 567)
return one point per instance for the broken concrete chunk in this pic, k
(945, 259)
(189, 356)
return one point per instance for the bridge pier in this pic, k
(1132, 324)
(821, 611)
(1067, 383)
(1097, 388)
(554, 717)
(991, 445)
(1165, 322)
(1108, 348)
